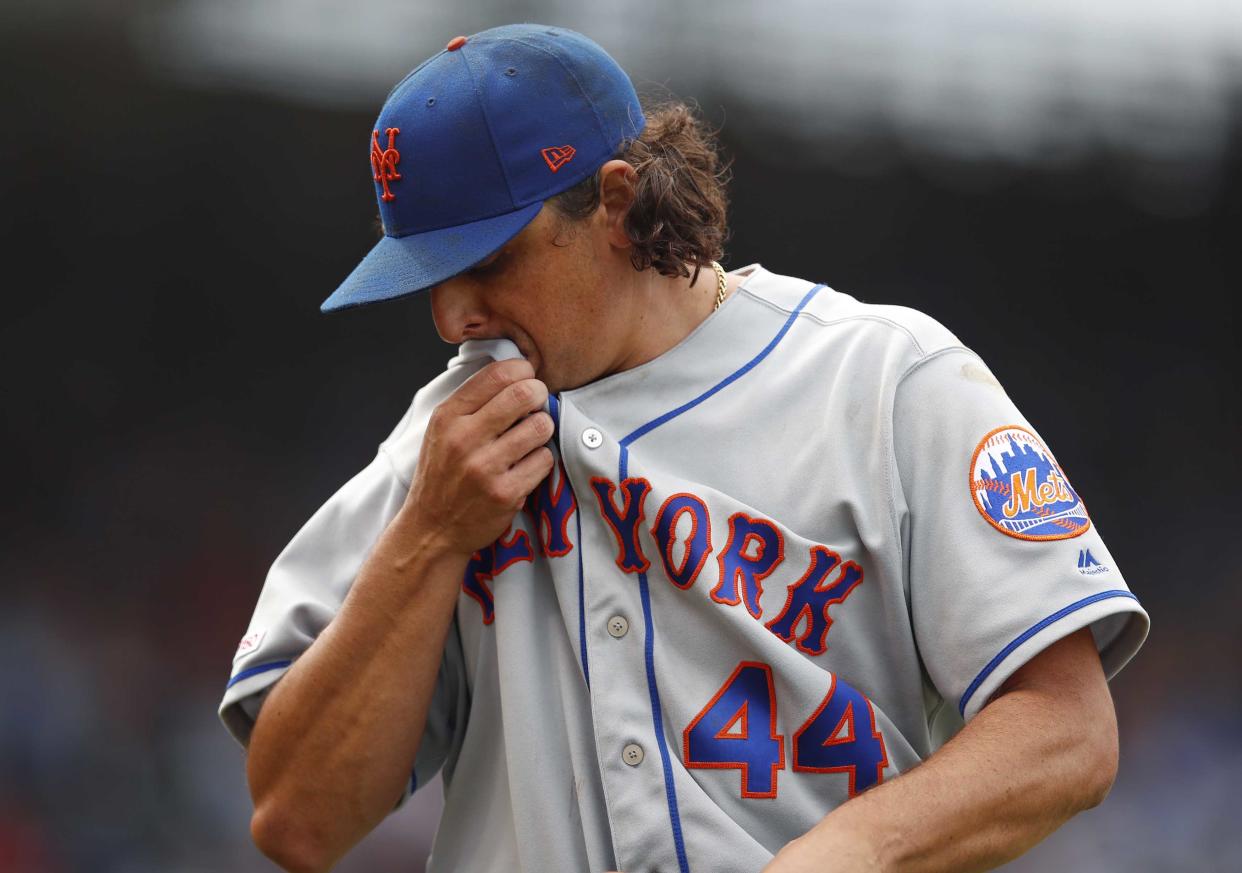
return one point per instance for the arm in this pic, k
(1044, 749)
(335, 741)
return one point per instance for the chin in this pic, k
(553, 386)
(554, 382)
(557, 381)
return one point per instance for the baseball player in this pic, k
(671, 569)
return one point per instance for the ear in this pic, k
(618, 183)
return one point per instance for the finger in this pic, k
(470, 396)
(520, 440)
(510, 405)
(527, 473)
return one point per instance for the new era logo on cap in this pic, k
(558, 156)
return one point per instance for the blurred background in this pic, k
(183, 181)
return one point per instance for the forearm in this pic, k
(990, 794)
(1030, 760)
(331, 750)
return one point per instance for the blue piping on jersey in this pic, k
(255, 671)
(657, 719)
(586, 673)
(1030, 632)
(657, 715)
(732, 377)
(554, 409)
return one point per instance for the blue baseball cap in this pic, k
(470, 144)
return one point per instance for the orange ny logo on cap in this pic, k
(384, 162)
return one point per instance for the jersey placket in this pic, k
(619, 650)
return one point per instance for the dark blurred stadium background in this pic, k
(183, 181)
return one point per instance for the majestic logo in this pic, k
(1020, 490)
(558, 156)
(384, 161)
(1088, 565)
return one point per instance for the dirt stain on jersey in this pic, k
(975, 373)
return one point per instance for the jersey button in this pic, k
(632, 754)
(592, 438)
(618, 626)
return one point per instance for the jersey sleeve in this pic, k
(1003, 559)
(310, 579)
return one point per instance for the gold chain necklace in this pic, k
(721, 284)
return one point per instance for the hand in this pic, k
(482, 454)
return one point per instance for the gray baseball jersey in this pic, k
(777, 565)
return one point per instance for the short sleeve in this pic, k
(310, 579)
(1003, 559)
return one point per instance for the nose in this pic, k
(458, 310)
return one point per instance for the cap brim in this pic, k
(404, 265)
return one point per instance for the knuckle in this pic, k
(469, 474)
(541, 424)
(538, 462)
(454, 441)
(474, 468)
(497, 376)
(498, 491)
(512, 370)
(444, 422)
(520, 368)
(522, 392)
(540, 391)
(439, 417)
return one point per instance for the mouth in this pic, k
(535, 361)
(528, 352)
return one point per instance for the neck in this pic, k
(664, 310)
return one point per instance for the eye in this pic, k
(486, 266)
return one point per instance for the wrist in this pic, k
(413, 538)
(834, 844)
(409, 564)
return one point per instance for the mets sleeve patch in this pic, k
(1020, 490)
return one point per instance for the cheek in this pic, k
(574, 358)
(544, 347)
(555, 321)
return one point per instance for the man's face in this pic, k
(546, 289)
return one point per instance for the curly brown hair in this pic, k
(678, 217)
